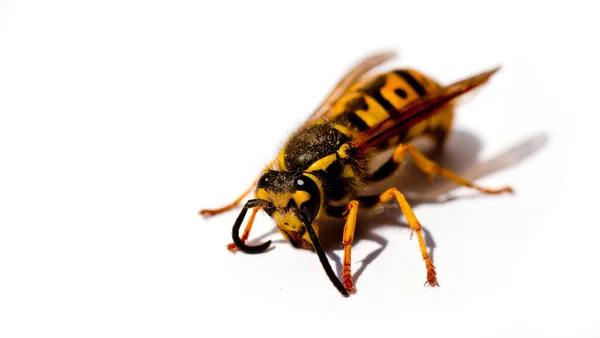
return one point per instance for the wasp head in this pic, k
(294, 199)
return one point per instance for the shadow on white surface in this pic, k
(460, 156)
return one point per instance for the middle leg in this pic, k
(415, 227)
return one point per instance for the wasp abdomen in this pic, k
(375, 99)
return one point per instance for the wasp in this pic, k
(325, 166)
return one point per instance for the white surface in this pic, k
(121, 119)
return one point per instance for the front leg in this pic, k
(349, 228)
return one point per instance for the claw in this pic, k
(232, 247)
(348, 284)
(431, 280)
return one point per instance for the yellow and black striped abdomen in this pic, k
(373, 99)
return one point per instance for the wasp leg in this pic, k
(349, 228)
(231, 246)
(438, 134)
(213, 212)
(433, 169)
(415, 226)
(385, 171)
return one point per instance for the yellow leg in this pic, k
(231, 246)
(415, 226)
(349, 228)
(433, 169)
(213, 212)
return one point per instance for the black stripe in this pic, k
(369, 201)
(415, 85)
(336, 189)
(355, 121)
(336, 212)
(349, 115)
(387, 169)
(357, 103)
(373, 89)
(400, 92)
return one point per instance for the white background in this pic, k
(121, 119)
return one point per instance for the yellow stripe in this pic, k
(281, 160)
(348, 171)
(375, 114)
(343, 150)
(395, 82)
(322, 163)
(301, 197)
(340, 105)
(342, 129)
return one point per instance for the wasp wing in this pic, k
(349, 79)
(416, 111)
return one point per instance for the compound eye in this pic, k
(304, 183)
(300, 183)
(264, 180)
(309, 208)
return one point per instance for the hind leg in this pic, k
(433, 169)
(436, 128)
(439, 129)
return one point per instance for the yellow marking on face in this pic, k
(287, 221)
(281, 160)
(281, 200)
(306, 242)
(322, 163)
(374, 114)
(300, 197)
(261, 193)
(348, 172)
